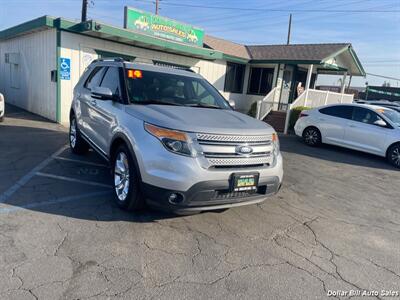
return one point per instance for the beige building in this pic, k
(41, 61)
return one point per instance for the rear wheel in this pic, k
(1, 119)
(312, 136)
(77, 144)
(393, 155)
(126, 181)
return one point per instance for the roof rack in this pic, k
(153, 63)
(117, 59)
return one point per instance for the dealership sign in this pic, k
(162, 27)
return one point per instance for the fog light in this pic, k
(175, 198)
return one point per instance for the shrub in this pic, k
(253, 109)
(294, 115)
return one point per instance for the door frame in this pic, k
(292, 68)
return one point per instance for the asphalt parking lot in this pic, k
(335, 225)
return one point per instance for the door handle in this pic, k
(352, 126)
(93, 102)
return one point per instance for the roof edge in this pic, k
(44, 21)
(284, 61)
(235, 59)
(334, 54)
(102, 28)
(358, 62)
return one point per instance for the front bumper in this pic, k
(163, 173)
(209, 195)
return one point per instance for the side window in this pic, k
(94, 78)
(340, 111)
(365, 115)
(111, 80)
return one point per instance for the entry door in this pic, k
(103, 116)
(286, 87)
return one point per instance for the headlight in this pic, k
(275, 144)
(175, 141)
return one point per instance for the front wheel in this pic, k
(77, 144)
(126, 181)
(312, 136)
(393, 155)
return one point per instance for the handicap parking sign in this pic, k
(65, 68)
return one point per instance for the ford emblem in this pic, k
(244, 150)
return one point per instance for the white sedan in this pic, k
(367, 128)
(2, 107)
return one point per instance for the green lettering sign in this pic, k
(162, 27)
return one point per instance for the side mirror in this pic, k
(380, 123)
(232, 104)
(102, 93)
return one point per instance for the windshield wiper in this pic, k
(158, 103)
(204, 105)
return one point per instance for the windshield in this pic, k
(392, 115)
(147, 87)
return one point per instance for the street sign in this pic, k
(65, 68)
(162, 27)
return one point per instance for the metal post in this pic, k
(258, 112)
(348, 86)
(308, 81)
(342, 88)
(157, 7)
(288, 112)
(289, 29)
(84, 10)
(326, 97)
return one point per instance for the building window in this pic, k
(15, 77)
(260, 82)
(234, 78)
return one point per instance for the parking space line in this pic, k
(72, 179)
(28, 176)
(9, 208)
(81, 161)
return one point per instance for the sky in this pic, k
(372, 26)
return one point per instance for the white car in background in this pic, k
(2, 107)
(367, 128)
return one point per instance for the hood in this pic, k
(203, 120)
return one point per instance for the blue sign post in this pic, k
(65, 68)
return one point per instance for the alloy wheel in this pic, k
(311, 136)
(121, 176)
(395, 156)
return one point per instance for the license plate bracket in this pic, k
(244, 182)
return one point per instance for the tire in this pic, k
(393, 155)
(126, 180)
(1, 119)
(77, 144)
(312, 136)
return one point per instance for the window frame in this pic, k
(260, 80)
(92, 74)
(383, 118)
(337, 106)
(241, 83)
(120, 86)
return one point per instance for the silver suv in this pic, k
(172, 140)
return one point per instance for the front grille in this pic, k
(239, 161)
(221, 150)
(232, 138)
